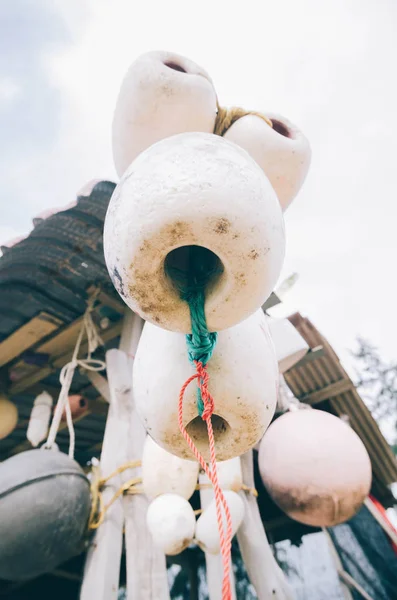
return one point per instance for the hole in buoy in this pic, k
(82, 402)
(197, 429)
(192, 267)
(281, 128)
(175, 66)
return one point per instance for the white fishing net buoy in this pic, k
(162, 94)
(171, 522)
(194, 207)
(242, 379)
(207, 533)
(163, 472)
(282, 151)
(315, 467)
(230, 476)
(288, 342)
(39, 419)
(8, 416)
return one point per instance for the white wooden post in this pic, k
(146, 564)
(265, 574)
(102, 569)
(213, 562)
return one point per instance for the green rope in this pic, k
(200, 343)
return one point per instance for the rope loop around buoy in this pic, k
(227, 116)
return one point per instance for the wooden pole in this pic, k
(146, 568)
(339, 567)
(102, 568)
(213, 561)
(264, 572)
(146, 564)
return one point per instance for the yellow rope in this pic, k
(98, 508)
(227, 116)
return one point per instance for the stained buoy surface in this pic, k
(315, 467)
(194, 207)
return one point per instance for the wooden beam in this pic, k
(27, 335)
(263, 571)
(331, 390)
(41, 373)
(312, 354)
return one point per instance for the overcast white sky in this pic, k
(328, 65)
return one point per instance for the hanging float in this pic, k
(8, 416)
(194, 210)
(163, 472)
(315, 467)
(162, 94)
(172, 523)
(243, 378)
(39, 419)
(44, 505)
(279, 148)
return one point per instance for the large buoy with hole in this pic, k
(44, 508)
(207, 533)
(163, 472)
(8, 416)
(282, 151)
(162, 94)
(242, 380)
(172, 523)
(194, 210)
(315, 467)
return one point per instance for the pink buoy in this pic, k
(315, 467)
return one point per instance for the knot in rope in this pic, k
(206, 408)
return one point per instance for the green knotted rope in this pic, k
(201, 342)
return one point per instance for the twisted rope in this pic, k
(227, 116)
(67, 373)
(98, 507)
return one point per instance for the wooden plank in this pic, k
(334, 389)
(123, 441)
(26, 336)
(265, 575)
(313, 354)
(146, 564)
(102, 567)
(61, 360)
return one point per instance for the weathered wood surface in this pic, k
(123, 442)
(264, 573)
(146, 564)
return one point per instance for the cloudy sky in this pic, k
(329, 66)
